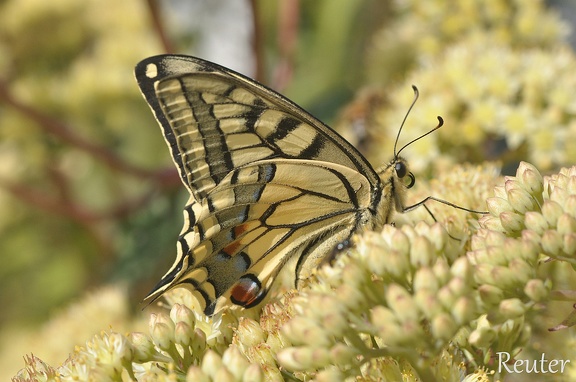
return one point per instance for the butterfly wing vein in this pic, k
(268, 182)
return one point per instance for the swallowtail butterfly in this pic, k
(270, 185)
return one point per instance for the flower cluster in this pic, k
(423, 29)
(373, 303)
(262, 340)
(497, 103)
(182, 344)
(416, 288)
(410, 302)
(531, 220)
(479, 65)
(452, 183)
(540, 212)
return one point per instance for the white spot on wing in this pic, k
(151, 70)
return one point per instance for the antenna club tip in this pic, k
(415, 88)
(440, 121)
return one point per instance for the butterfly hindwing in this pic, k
(269, 183)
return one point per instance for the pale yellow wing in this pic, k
(261, 216)
(215, 120)
(268, 182)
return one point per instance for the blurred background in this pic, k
(90, 201)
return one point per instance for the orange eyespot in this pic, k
(247, 292)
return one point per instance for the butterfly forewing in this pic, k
(269, 183)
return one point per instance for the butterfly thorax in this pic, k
(396, 179)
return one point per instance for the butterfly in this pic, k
(270, 185)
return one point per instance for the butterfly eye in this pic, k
(400, 170)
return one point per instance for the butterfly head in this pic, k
(402, 173)
(397, 173)
(396, 176)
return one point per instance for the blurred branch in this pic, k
(64, 206)
(257, 42)
(289, 15)
(154, 10)
(60, 130)
(60, 181)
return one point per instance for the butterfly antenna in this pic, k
(440, 124)
(416, 94)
